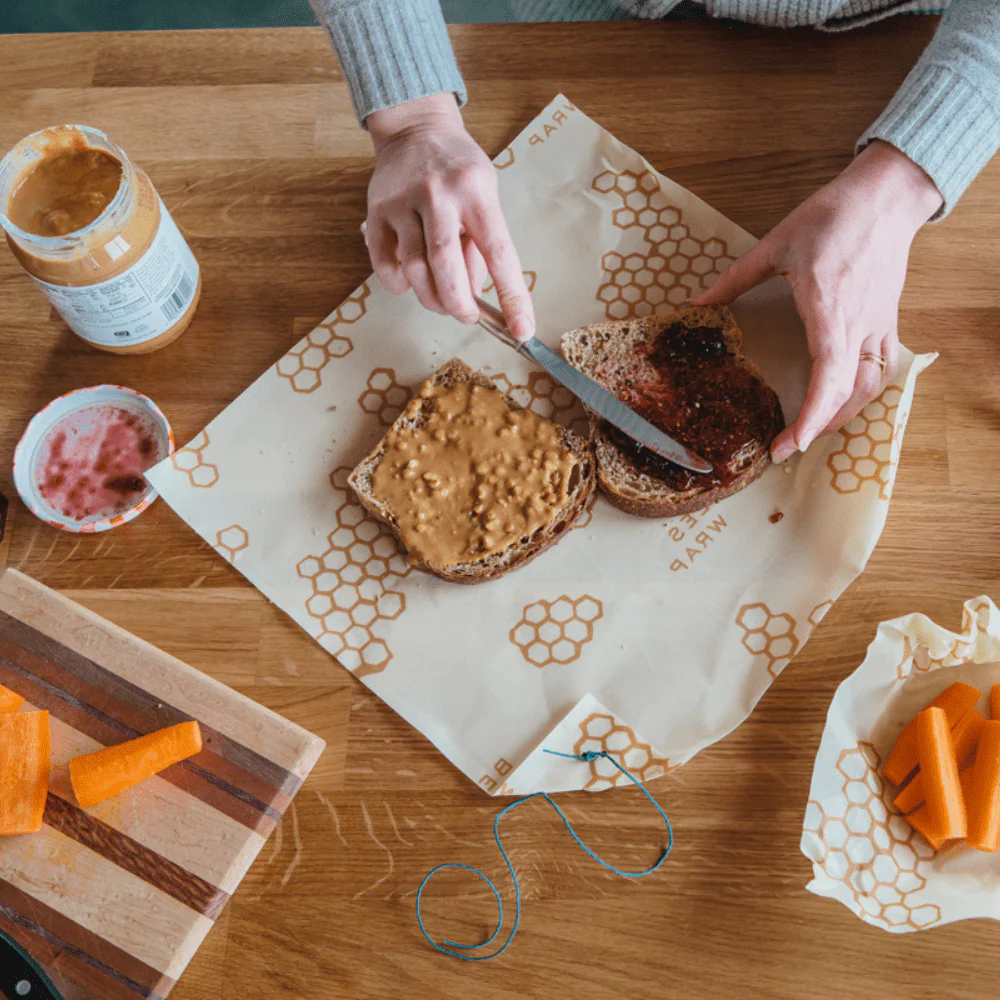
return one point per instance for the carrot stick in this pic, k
(946, 817)
(24, 771)
(9, 701)
(920, 821)
(995, 702)
(955, 701)
(105, 773)
(982, 788)
(965, 735)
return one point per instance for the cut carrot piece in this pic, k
(965, 735)
(945, 805)
(919, 820)
(9, 701)
(955, 701)
(995, 702)
(982, 791)
(105, 773)
(24, 771)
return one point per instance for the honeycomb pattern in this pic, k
(555, 632)
(543, 395)
(769, 635)
(303, 364)
(975, 621)
(191, 461)
(868, 445)
(352, 584)
(231, 541)
(866, 845)
(818, 613)
(505, 159)
(599, 733)
(383, 396)
(673, 263)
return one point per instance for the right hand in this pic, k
(434, 218)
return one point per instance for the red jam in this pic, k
(92, 462)
(702, 397)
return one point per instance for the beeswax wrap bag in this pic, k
(648, 638)
(863, 852)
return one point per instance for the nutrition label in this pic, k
(143, 302)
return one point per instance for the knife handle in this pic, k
(492, 321)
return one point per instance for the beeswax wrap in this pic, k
(863, 852)
(647, 638)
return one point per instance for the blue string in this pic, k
(590, 755)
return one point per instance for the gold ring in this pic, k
(874, 358)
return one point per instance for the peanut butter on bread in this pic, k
(472, 484)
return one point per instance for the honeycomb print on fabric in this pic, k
(868, 443)
(768, 635)
(231, 541)
(383, 396)
(192, 462)
(352, 584)
(865, 844)
(600, 732)
(302, 366)
(553, 633)
(672, 263)
(543, 395)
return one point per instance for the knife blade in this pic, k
(592, 394)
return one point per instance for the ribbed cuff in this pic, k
(392, 51)
(944, 124)
(775, 13)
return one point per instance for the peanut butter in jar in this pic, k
(89, 227)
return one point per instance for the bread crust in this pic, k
(595, 349)
(521, 553)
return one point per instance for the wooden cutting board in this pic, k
(115, 900)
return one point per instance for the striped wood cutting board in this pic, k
(115, 900)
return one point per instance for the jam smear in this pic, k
(92, 462)
(702, 397)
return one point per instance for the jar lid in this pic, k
(79, 464)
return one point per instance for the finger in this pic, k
(413, 259)
(829, 386)
(742, 275)
(380, 238)
(890, 351)
(488, 230)
(868, 385)
(446, 258)
(476, 266)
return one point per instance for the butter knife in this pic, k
(593, 395)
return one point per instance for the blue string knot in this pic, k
(587, 756)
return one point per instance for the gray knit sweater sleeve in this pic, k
(946, 115)
(391, 51)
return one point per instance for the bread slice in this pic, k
(495, 564)
(615, 354)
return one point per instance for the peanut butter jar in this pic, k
(89, 227)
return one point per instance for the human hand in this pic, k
(844, 251)
(434, 218)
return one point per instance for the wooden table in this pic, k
(250, 138)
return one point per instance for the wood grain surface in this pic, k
(250, 138)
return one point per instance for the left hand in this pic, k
(844, 252)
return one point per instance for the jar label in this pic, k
(141, 303)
